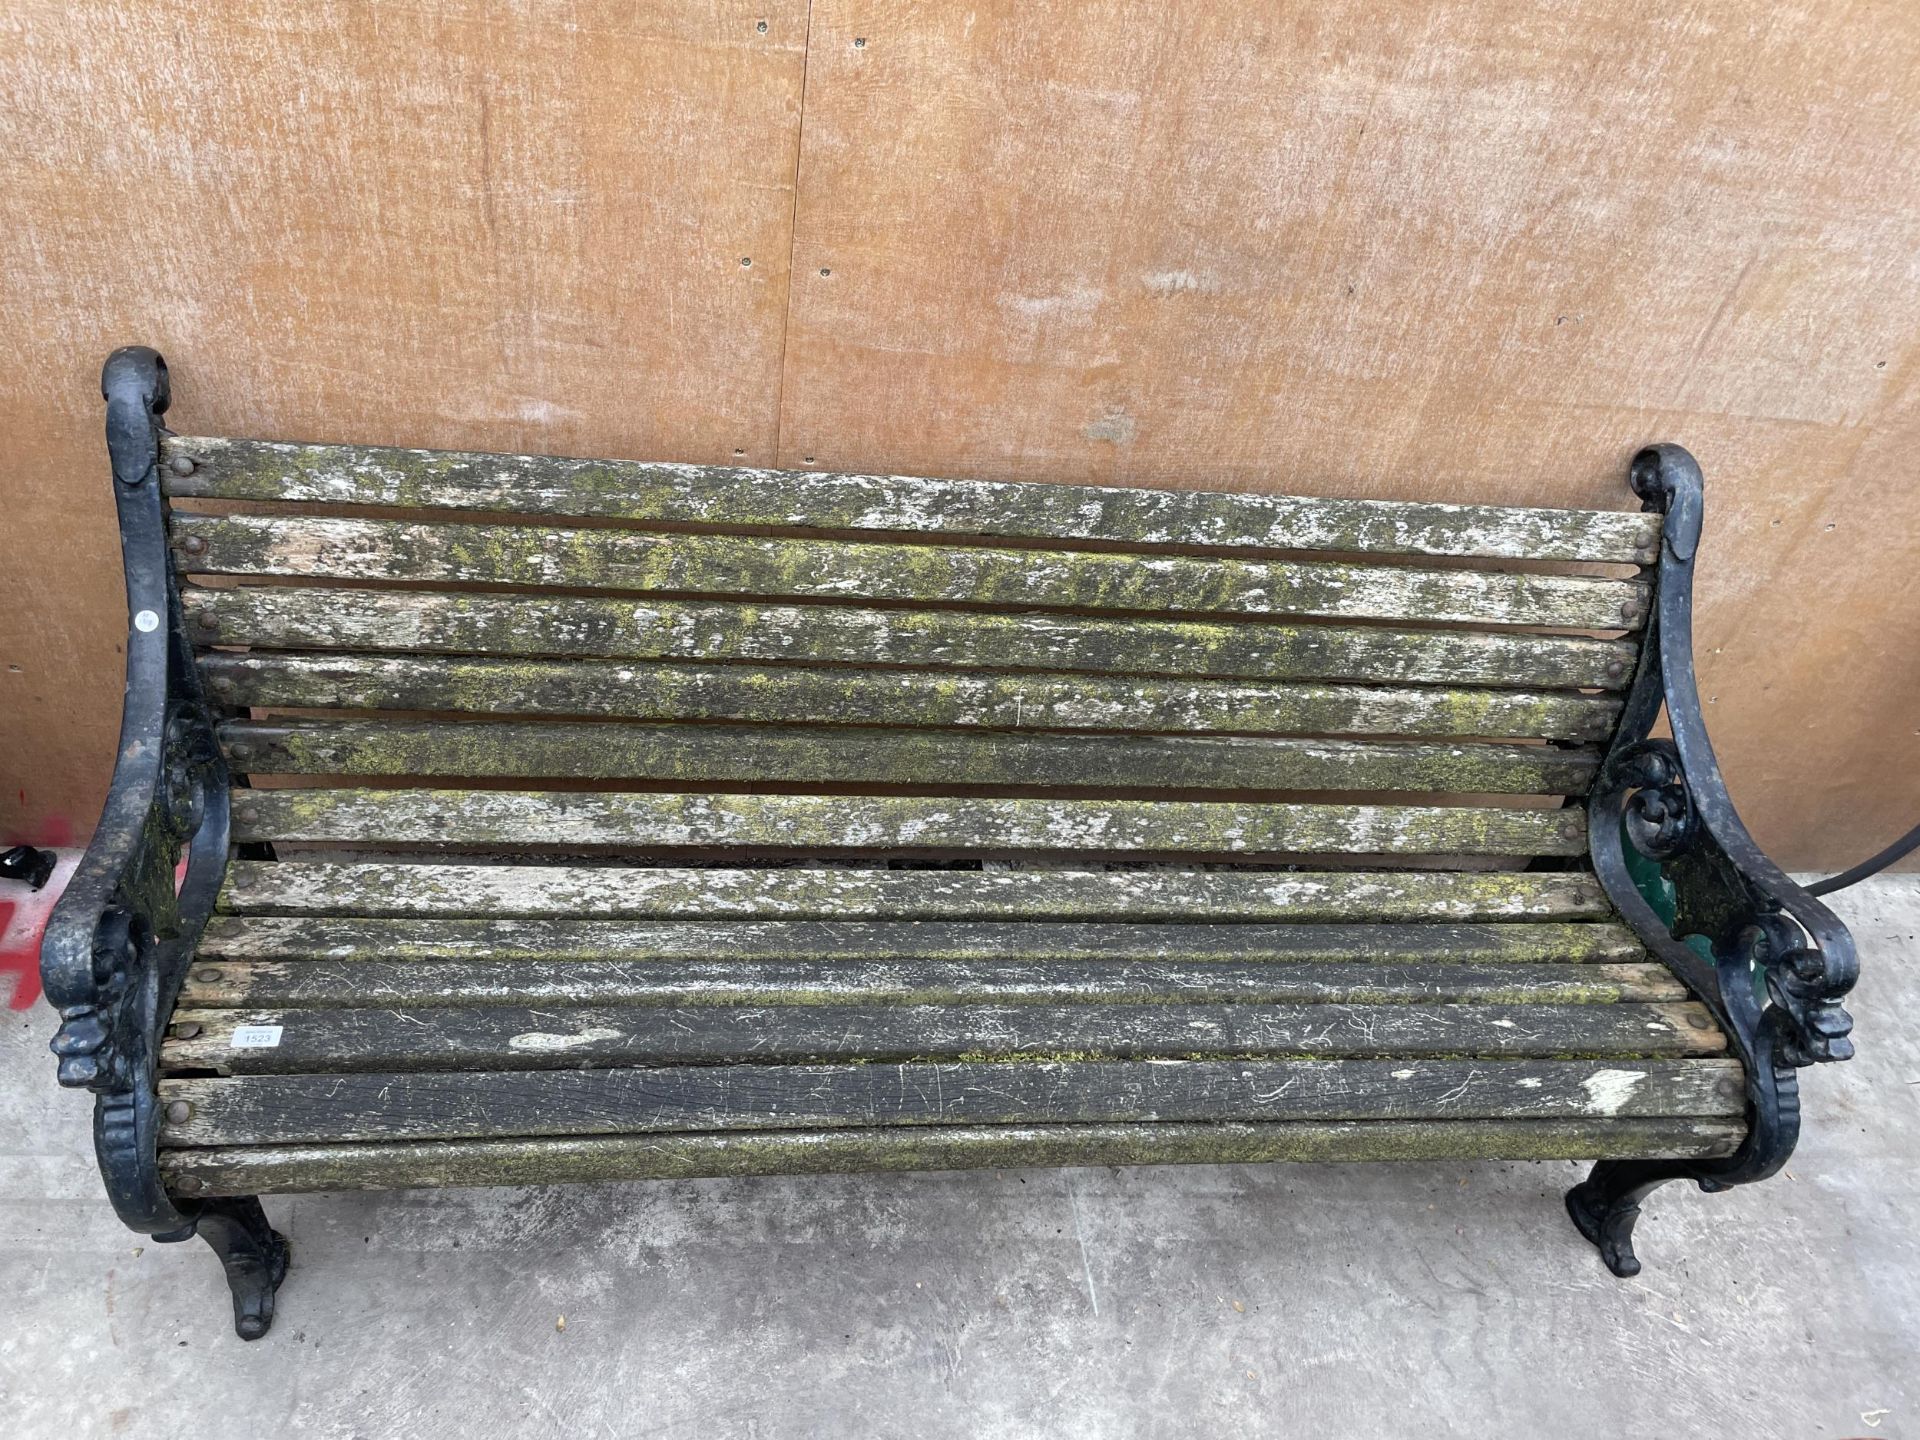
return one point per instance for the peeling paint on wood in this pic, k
(799, 754)
(734, 496)
(832, 892)
(729, 565)
(661, 690)
(517, 1037)
(1013, 979)
(885, 822)
(548, 625)
(328, 937)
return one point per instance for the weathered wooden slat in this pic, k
(326, 984)
(276, 1169)
(329, 937)
(664, 690)
(840, 755)
(534, 1038)
(736, 496)
(733, 565)
(870, 822)
(545, 625)
(307, 1109)
(623, 892)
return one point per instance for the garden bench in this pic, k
(563, 820)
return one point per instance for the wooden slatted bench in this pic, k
(564, 820)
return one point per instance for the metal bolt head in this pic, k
(1631, 610)
(188, 1184)
(184, 1031)
(207, 976)
(240, 749)
(207, 620)
(223, 683)
(178, 1111)
(194, 544)
(181, 464)
(1570, 829)
(1616, 668)
(249, 813)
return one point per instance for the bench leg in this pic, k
(252, 1252)
(1605, 1205)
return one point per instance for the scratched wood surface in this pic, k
(1439, 253)
(277, 1169)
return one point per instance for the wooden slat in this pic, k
(411, 984)
(839, 755)
(296, 1109)
(547, 625)
(622, 892)
(327, 937)
(732, 565)
(868, 822)
(663, 690)
(332, 937)
(736, 497)
(531, 1038)
(276, 1169)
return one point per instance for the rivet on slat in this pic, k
(188, 1184)
(1631, 610)
(207, 620)
(1616, 668)
(194, 544)
(179, 1111)
(1570, 829)
(249, 813)
(181, 464)
(1699, 1022)
(223, 683)
(240, 750)
(185, 1031)
(206, 976)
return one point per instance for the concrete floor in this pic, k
(1349, 1300)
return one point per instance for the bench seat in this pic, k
(565, 820)
(466, 1024)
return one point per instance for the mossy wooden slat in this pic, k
(308, 1109)
(276, 1169)
(326, 618)
(511, 1037)
(330, 937)
(665, 690)
(821, 755)
(773, 823)
(625, 892)
(328, 984)
(735, 496)
(732, 565)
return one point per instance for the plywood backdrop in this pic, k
(1350, 247)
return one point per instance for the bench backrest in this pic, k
(514, 652)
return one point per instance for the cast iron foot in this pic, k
(252, 1252)
(1605, 1205)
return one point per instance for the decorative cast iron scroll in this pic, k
(1770, 959)
(122, 933)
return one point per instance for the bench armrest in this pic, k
(1673, 855)
(120, 937)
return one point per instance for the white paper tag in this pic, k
(255, 1037)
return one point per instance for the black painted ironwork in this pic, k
(121, 935)
(1771, 961)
